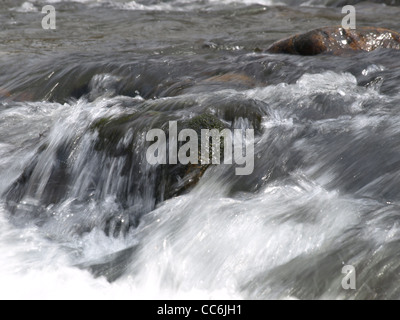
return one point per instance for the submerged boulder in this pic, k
(171, 179)
(106, 164)
(338, 41)
(109, 159)
(4, 93)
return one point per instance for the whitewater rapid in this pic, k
(207, 243)
(84, 216)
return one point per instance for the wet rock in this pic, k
(109, 159)
(338, 41)
(4, 93)
(233, 78)
(172, 180)
(187, 85)
(112, 266)
(119, 144)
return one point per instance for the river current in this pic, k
(79, 222)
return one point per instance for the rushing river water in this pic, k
(80, 221)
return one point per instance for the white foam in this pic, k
(176, 5)
(25, 7)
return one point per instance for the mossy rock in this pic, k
(173, 180)
(205, 121)
(192, 173)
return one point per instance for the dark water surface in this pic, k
(76, 212)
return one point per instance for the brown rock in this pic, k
(337, 41)
(232, 78)
(4, 93)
